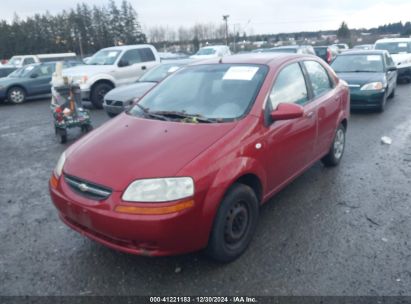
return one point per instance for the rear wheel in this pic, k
(234, 224)
(16, 95)
(336, 152)
(98, 92)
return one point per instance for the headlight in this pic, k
(60, 164)
(373, 86)
(159, 189)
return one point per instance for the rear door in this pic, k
(327, 105)
(290, 142)
(40, 79)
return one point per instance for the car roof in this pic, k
(364, 52)
(255, 58)
(127, 47)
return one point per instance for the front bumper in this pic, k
(366, 99)
(85, 94)
(149, 235)
(404, 73)
(114, 107)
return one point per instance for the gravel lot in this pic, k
(340, 231)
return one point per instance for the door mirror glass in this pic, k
(35, 75)
(392, 69)
(287, 111)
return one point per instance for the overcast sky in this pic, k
(255, 16)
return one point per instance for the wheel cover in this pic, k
(339, 143)
(236, 225)
(16, 96)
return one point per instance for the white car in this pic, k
(23, 60)
(214, 51)
(112, 67)
(400, 50)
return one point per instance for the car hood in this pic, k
(87, 70)
(129, 92)
(361, 78)
(127, 148)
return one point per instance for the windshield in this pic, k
(283, 50)
(206, 51)
(394, 47)
(222, 92)
(15, 61)
(160, 72)
(358, 63)
(22, 72)
(104, 57)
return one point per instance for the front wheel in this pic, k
(381, 106)
(97, 94)
(234, 224)
(336, 152)
(16, 95)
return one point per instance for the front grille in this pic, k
(87, 189)
(114, 103)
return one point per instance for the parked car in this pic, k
(212, 52)
(400, 50)
(112, 67)
(342, 47)
(6, 70)
(119, 99)
(297, 49)
(190, 164)
(364, 47)
(327, 53)
(23, 60)
(30, 81)
(371, 76)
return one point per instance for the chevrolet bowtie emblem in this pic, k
(83, 187)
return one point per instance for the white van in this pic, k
(214, 51)
(400, 50)
(22, 60)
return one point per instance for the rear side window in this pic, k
(146, 54)
(289, 87)
(319, 78)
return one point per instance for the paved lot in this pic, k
(340, 231)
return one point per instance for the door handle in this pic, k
(143, 67)
(309, 114)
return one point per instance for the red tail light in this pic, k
(328, 55)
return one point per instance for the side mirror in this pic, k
(34, 75)
(287, 111)
(392, 69)
(123, 63)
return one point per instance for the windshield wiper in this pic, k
(147, 113)
(193, 118)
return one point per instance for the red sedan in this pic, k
(189, 165)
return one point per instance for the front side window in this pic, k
(146, 55)
(28, 61)
(131, 57)
(320, 81)
(394, 47)
(221, 92)
(289, 87)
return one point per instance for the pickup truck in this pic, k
(112, 67)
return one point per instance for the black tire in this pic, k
(111, 115)
(337, 148)
(63, 138)
(98, 92)
(86, 128)
(16, 95)
(381, 106)
(234, 224)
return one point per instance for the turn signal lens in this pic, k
(154, 210)
(54, 181)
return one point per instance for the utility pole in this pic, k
(225, 18)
